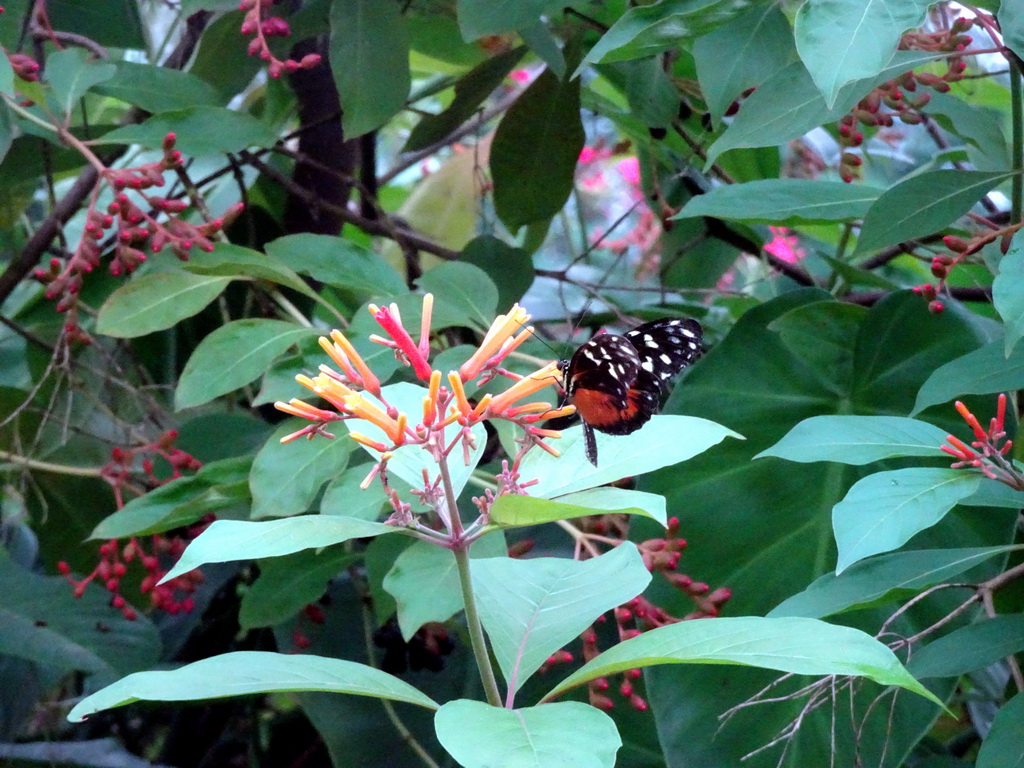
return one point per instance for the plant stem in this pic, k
(1017, 147)
(46, 466)
(460, 548)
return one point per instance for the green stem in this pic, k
(46, 466)
(1017, 160)
(460, 549)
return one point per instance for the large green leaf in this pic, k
(218, 486)
(470, 91)
(228, 540)
(464, 290)
(984, 371)
(857, 439)
(1008, 296)
(531, 608)
(844, 40)
(340, 263)
(491, 17)
(200, 130)
(760, 43)
(511, 510)
(970, 648)
(369, 54)
(802, 646)
(247, 672)
(884, 578)
(783, 201)
(158, 89)
(424, 581)
(763, 528)
(43, 622)
(923, 204)
(235, 261)
(71, 72)
(566, 733)
(286, 478)
(788, 105)
(663, 441)
(535, 149)
(157, 301)
(1003, 747)
(288, 583)
(233, 356)
(881, 512)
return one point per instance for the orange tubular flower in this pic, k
(345, 355)
(305, 410)
(361, 408)
(501, 331)
(533, 383)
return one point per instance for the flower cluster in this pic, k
(264, 26)
(134, 228)
(163, 549)
(988, 451)
(892, 100)
(445, 423)
(961, 250)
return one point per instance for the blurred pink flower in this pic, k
(629, 169)
(785, 246)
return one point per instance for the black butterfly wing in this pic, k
(664, 347)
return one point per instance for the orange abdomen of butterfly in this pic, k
(603, 412)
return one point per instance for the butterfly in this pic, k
(616, 382)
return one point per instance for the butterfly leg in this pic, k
(590, 443)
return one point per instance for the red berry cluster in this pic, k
(890, 100)
(960, 250)
(640, 614)
(313, 613)
(24, 66)
(255, 23)
(134, 227)
(113, 564)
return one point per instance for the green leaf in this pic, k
(857, 439)
(566, 733)
(464, 290)
(801, 646)
(531, 608)
(535, 149)
(661, 442)
(286, 478)
(6, 76)
(235, 261)
(653, 97)
(883, 511)
(409, 461)
(158, 89)
(286, 584)
(844, 40)
(884, 579)
(981, 372)
(1008, 296)
(228, 540)
(344, 496)
(234, 355)
(783, 201)
(218, 486)
(511, 511)
(340, 263)
(46, 624)
(200, 131)
(220, 61)
(247, 672)
(470, 91)
(1003, 747)
(980, 127)
(156, 301)
(113, 23)
(923, 204)
(492, 17)
(424, 581)
(969, 648)
(760, 43)
(647, 30)
(71, 72)
(1011, 25)
(788, 104)
(369, 44)
(511, 269)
